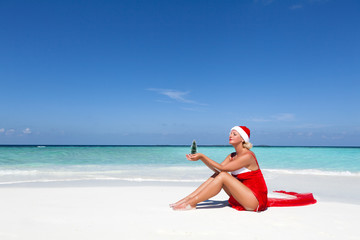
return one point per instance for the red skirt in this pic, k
(254, 180)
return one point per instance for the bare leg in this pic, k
(223, 180)
(227, 191)
(199, 189)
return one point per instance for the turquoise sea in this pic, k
(25, 164)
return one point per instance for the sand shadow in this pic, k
(212, 204)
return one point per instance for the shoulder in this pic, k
(249, 155)
(252, 153)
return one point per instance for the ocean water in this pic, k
(26, 164)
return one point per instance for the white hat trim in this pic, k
(242, 133)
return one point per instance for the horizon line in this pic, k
(160, 145)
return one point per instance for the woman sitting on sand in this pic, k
(245, 185)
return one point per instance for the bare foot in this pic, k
(179, 202)
(184, 207)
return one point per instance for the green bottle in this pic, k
(193, 147)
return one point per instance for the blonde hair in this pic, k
(247, 145)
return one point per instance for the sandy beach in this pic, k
(124, 210)
(103, 101)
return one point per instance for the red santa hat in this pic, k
(243, 131)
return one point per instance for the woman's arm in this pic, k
(227, 160)
(226, 165)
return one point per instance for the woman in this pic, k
(245, 186)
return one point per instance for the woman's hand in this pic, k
(194, 157)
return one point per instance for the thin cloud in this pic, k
(27, 131)
(176, 95)
(10, 132)
(2, 130)
(260, 120)
(284, 117)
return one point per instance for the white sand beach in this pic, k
(114, 210)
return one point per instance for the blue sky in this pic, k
(168, 72)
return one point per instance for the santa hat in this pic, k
(243, 131)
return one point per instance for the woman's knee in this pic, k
(225, 174)
(222, 175)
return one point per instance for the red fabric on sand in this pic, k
(301, 199)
